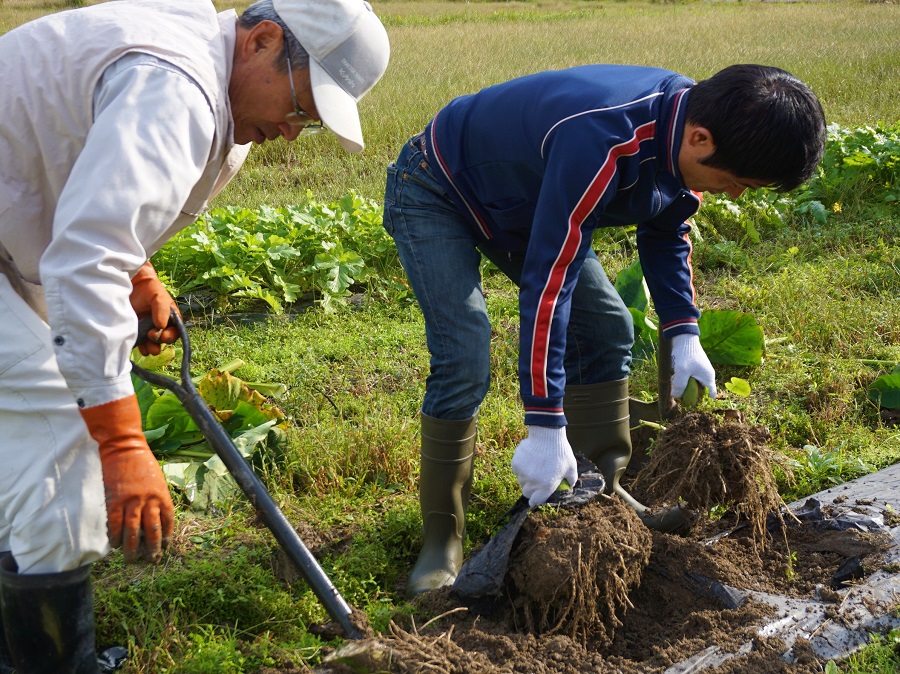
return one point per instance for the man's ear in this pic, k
(262, 39)
(699, 139)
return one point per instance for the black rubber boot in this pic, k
(49, 620)
(6, 666)
(445, 477)
(600, 430)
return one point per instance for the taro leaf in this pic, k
(885, 391)
(731, 337)
(245, 443)
(166, 448)
(223, 391)
(202, 487)
(155, 434)
(166, 355)
(146, 394)
(237, 405)
(167, 410)
(276, 441)
(246, 416)
(183, 476)
(644, 335)
(632, 287)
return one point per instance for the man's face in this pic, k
(696, 146)
(701, 178)
(260, 90)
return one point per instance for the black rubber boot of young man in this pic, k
(445, 478)
(600, 430)
(5, 660)
(48, 620)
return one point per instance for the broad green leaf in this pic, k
(162, 447)
(212, 488)
(146, 394)
(245, 443)
(246, 416)
(816, 209)
(223, 391)
(200, 486)
(632, 287)
(885, 391)
(155, 434)
(731, 337)
(166, 355)
(168, 411)
(182, 475)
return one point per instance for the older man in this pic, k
(118, 123)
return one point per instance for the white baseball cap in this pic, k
(348, 53)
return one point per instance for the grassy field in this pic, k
(846, 51)
(826, 296)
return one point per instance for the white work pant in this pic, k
(52, 505)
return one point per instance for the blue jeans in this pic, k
(442, 255)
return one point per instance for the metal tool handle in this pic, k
(667, 404)
(246, 479)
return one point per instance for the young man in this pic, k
(118, 123)
(523, 172)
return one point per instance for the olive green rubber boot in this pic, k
(600, 430)
(49, 620)
(445, 477)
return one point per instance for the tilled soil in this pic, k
(593, 590)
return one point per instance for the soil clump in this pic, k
(593, 590)
(706, 463)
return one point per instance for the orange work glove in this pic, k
(149, 297)
(137, 496)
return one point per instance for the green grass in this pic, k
(826, 297)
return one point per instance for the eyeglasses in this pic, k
(299, 117)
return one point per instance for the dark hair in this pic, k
(766, 124)
(264, 10)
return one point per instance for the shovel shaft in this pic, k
(250, 483)
(667, 404)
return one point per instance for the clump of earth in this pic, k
(590, 589)
(705, 463)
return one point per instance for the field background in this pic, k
(825, 295)
(847, 52)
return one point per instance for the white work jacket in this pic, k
(115, 131)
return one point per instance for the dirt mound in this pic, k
(592, 590)
(706, 463)
(573, 570)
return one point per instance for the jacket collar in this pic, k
(672, 121)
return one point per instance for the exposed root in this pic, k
(705, 464)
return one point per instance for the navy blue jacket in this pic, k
(539, 162)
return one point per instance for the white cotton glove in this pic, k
(542, 461)
(690, 360)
